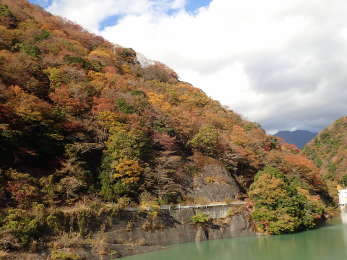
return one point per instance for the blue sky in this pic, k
(109, 21)
(191, 6)
(43, 3)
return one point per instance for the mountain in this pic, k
(298, 137)
(328, 151)
(87, 132)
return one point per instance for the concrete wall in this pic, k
(175, 226)
(134, 232)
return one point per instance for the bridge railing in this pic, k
(179, 207)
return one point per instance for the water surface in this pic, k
(326, 243)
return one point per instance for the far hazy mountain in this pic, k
(298, 137)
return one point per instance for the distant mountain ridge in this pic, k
(298, 137)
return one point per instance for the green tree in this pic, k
(122, 168)
(206, 140)
(279, 207)
(343, 180)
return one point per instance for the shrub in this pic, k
(124, 107)
(159, 72)
(7, 17)
(122, 170)
(29, 49)
(137, 93)
(4, 11)
(56, 76)
(62, 255)
(78, 60)
(206, 140)
(127, 54)
(343, 180)
(279, 207)
(8, 139)
(54, 222)
(318, 162)
(44, 34)
(200, 218)
(128, 171)
(23, 226)
(149, 202)
(331, 168)
(21, 188)
(76, 170)
(123, 143)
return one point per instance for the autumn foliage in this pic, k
(328, 151)
(283, 205)
(81, 118)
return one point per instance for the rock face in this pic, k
(213, 182)
(175, 227)
(140, 242)
(136, 233)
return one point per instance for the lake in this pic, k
(326, 243)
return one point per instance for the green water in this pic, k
(327, 243)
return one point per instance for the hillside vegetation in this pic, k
(85, 131)
(329, 152)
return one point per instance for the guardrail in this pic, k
(179, 207)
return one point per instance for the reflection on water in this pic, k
(327, 243)
(344, 222)
(343, 214)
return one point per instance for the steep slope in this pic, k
(328, 151)
(85, 131)
(297, 137)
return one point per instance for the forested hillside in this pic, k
(328, 151)
(86, 130)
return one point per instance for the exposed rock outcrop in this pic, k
(213, 182)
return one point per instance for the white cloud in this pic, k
(281, 63)
(178, 4)
(90, 13)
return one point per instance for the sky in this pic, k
(279, 63)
